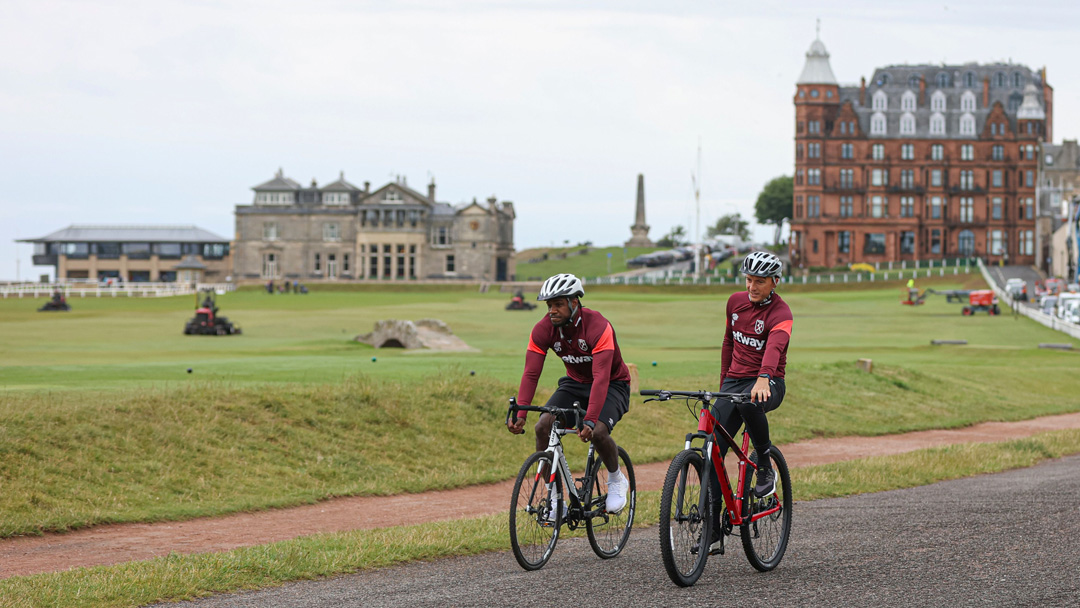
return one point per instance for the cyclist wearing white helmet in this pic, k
(595, 374)
(756, 335)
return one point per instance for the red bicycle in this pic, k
(686, 504)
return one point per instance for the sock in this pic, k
(614, 475)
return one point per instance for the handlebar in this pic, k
(558, 412)
(706, 396)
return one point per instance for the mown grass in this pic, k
(179, 577)
(595, 263)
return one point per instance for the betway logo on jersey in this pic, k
(575, 360)
(754, 343)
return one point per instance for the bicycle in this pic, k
(686, 507)
(539, 507)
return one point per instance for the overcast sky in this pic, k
(168, 112)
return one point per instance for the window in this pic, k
(391, 196)
(937, 152)
(875, 243)
(935, 241)
(996, 208)
(907, 179)
(269, 269)
(335, 198)
(967, 209)
(215, 251)
(798, 206)
(270, 231)
(815, 246)
(937, 102)
(935, 178)
(969, 80)
(880, 101)
(878, 206)
(907, 100)
(813, 150)
(998, 246)
(440, 235)
(907, 206)
(450, 263)
(907, 242)
(967, 102)
(967, 152)
(275, 198)
(813, 206)
(967, 125)
(165, 250)
(1017, 80)
(1014, 102)
(937, 124)
(935, 207)
(907, 152)
(967, 180)
(847, 150)
(843, 241)
(1029, 179)
(798, 177)
(386, 269)
(943, 80)
(400, 262)
(879, 177)
(345, 262)
(1026, 246)
(877, 152)
(913, 81)
(847, 206)
(111, 251)
(999, 79)
(814, 93)
(373, 262)
(412, 261)
(1029, 152)
(843, 128)
(330, 232)
(907, 124)
(798, 150)
(814, 126)
(847, 178)
(138, 251)
(813, 177)
(1028, 208)
(877, 124)
(965, 243)
(997, 152)
(318, 262)
(996, 179)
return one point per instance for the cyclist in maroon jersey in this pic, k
(756, 335)
(595, 374)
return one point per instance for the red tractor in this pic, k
(982, 300)
(207, 321)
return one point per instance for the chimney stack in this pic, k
(862, 91)
(986, 92)
(431, 190)
(922, 92)
(367, 188)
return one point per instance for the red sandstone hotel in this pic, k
(923, 162)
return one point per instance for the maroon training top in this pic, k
(589, 350)
(756, 337)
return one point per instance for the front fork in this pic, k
(712, 465)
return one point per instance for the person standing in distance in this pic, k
(595, 374)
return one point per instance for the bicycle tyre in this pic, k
(609, 532)
(532, 536)
(765, 540)
(682, 526)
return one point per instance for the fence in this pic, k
(93, 289)
(1048, 320)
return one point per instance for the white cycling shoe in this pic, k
(616, 488)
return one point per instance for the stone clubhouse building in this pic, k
(343, 232)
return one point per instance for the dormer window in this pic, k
(881, 101)
(942, 80)
(967, 125)
(969, 80)
(275, 198)
(937, 124)
(907, 124)
(335, 198)
(967, 102)
(937, 101)
(907, 102)
(877, 124)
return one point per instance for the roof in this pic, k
(129, 234)
(340, 185)
(278, 184)
(817, 69)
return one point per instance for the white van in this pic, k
(1063, 303)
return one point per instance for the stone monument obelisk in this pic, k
(639, 232)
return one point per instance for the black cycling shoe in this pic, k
(766, 482)
(716, 547)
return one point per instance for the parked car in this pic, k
(1054, 286)
(1017, 289)
(1047, 304)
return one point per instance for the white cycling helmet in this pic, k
(561, 286)
(762, 264)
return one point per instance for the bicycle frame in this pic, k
(708, 430)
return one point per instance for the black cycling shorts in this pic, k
(615, 406)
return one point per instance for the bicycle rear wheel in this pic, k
(765, 538)
(608, 532)
(684, 531)
(535, 513)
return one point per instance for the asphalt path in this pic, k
(1007, 539)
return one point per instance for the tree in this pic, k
(676, 237)
(731, 224)
(774, 204)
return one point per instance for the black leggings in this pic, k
(732, 416)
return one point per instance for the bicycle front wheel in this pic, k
(767, 521)
(535, 512)
(608, 532)
(684, 530)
